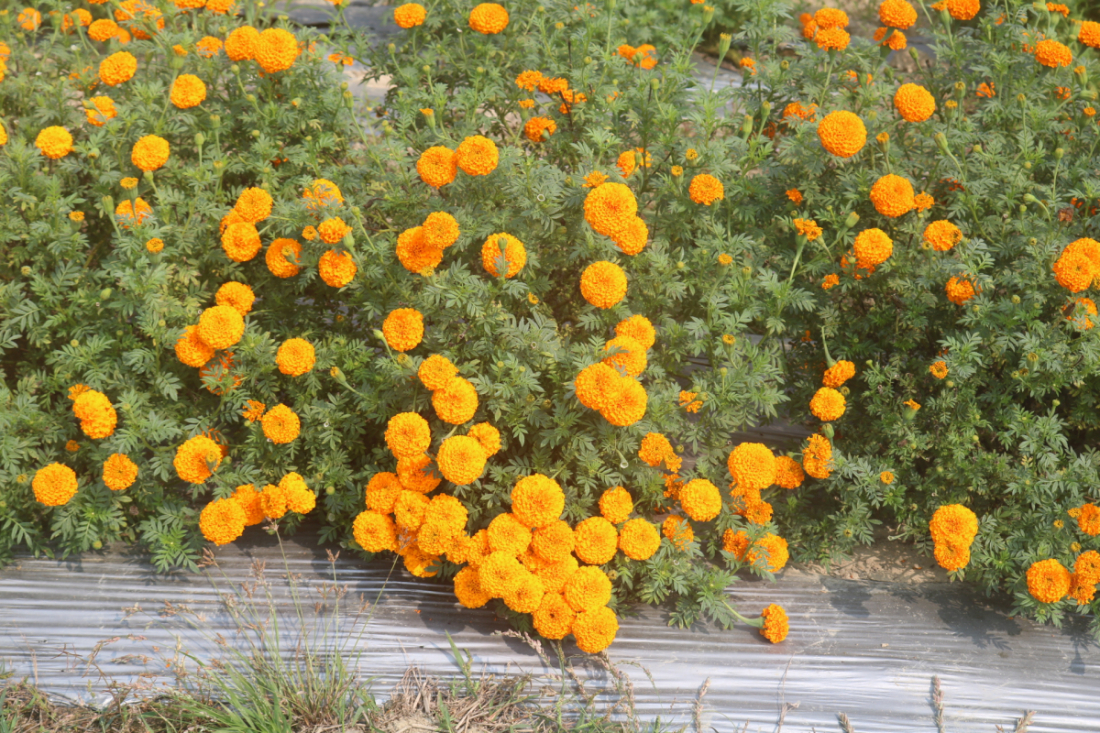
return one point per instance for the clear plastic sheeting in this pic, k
(867, 649)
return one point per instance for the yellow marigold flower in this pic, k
(752, 466)
(337, 269)
(700, 500)
(509, 535)
(119, 472)
(872, 248)
(639, 539)
(776, 625)
(510, 249)
(706, 189)
(299, 498)
(499, 572)
(435, 539)
(1048, 581)
(276, 50)
(596, 541)
(408, 435)
(382, 492)
(77, 216)
(295, 357)
(467, 581)
(192, 350)
(222, 521)
(630, 355)
(842, 133)
(408, 16)
(97, 417)
(892, 196)
(241, 241)
(897, 14)
(54, 485)
(817, 456)
(554, 618)
(554, 575)
(1052, 53)
(913, 102)
(788, 473)
(953, 523)
(603, 284)
(374, 532)
(959, 291)
(155, 245)
(250, 499)
(221, 326)
(208, 46)
(197, 459)
(616, 505)
(807, 228)
(415, 474)
(436, 371)
(477, 156)
(487, 436)
(254, 205)
(54, 142)
(628, 404)
(489, 18)
(1088, 519)
(832, 39)
(273, 501)
(128, 183)
(525, 594)
(420, 563)
(457, 402)
(282, 257)
(150, 153)
(537, 501)
(538, 128)
(281, 425)
(437, 166)
(827, 404)
(1089, 34)
(597, 385)
(461, 459)
(240, 45)
(188, 91)
(99, 111)
(638, 328)
(553, 542)
(942, 235)
(588, 588)
(595, 630)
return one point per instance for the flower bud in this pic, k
(655, 83)
(746, 126)
(978, 148)
(852, 220)
(724, 42)
(200, 139)
(766, 108)
(784, 64)
(1059, 153)
(941, 142)
(827, 430)
(105, 294)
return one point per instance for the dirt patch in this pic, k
(886, 560)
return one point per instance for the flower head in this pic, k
(752, 466)
(54, 484)
(374, 531)
(913, 102)
(477, 156)
(280, 424)
(150, 153)
(282, 257)
(99, 111)
(295, 357)
(503, 249)
(119, 472)
(827, 404)
(603, 284)
(54, 142)
(197, 459)
(489, 18)
(609, 208)
(959, 290)
(872, 248)
(188, 91)
(595, 630)
(616, 505)
(456, 403)
(240, 45)
(437, 166)
(1053, 54)
(1048, 581)
(817, 457)
(117, 68)
(596, 541)
(222, 521)
(838, 374)
(537, 129)
(842, 133)
(942, 235)
(461, 459)
(776, 625)
(892, 196)
(408, 16)
(337, 269)
(537, 501)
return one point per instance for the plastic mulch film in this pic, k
(867, 649)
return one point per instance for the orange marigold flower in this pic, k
(457, 402)
(678, 530)
(629, 355)
(752, 466)
(639, 539)
(953, 523)
(1075, 270)
(700, 500)
(959, 291)
(97, 416)
(54, 142)
(1087, 566)
(1088, 519)
(408, 435)
(54, 485)
(897, 14)
(1052, 53)
(489, 18)
(150, 153)
(477, 156)
(254, 205)
(537, 129)
(337, 269)
(706, 189)
(595, 630)
(817, 456)
(254, 411)
(333, 230)
(655, 449)
(942, 235)
(119, 472)
(208, 46)
(501, 248)
(403, 329)
(610, 207)
(241, 241)
(587, 588)
(597, 385)
(382, 492)
(554, 543)
(795, 196)
(295, 357)
(831, 18)
(827, 404)
(594, 179)
(1048, 581)
(842, 133)
(832, 39)
(240, 45)
(188, 91)
(222, 521)
(537, 501)
(249, 498)
(440, 229)
(1089, 34)
(554, 618)
(197, 459)
(872, 248)
(508, 535)
(416, 474)
(788, 473)
(409, 15)
(155, 245)
(415, 253)
(280, 424)
(436, 372)
(628, 404)
(237, 296)
(103, 29)
(963, 9)
(100, 110)
(603, 284)
(616, 505)
(299, 498)
(938, 369)
(892, 196)
(596, 541)
(461, 460)
(278, 262)
(488, 436)
(437, 166)
(529, 80)
(374, 532)
(29, 19)
(838, 374)
(638, 328)
(807, 228)
(776, 625)
(831, 280)
(221, 326)
(192, 350)
(525, 594)
(913, 102)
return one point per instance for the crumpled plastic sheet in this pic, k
(867, 649)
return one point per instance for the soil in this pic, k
(883, 560)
